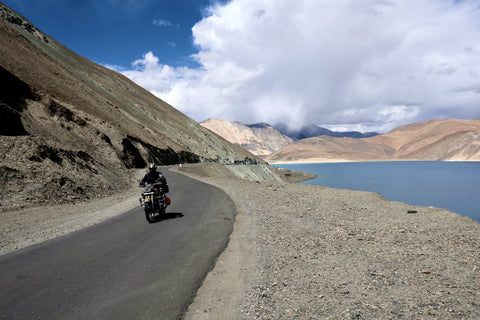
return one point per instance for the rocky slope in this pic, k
(71, 129)
(449, 139)
(270, 136)
(260, 139)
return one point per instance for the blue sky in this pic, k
(117, 32)
(366, 65)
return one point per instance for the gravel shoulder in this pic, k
(25, 227)
(310, 252)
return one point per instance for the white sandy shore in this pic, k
(329, 160)
(312, 160)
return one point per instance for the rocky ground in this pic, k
(310, 252)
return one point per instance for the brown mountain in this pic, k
(260, 139)
(449, 139)
(71, 129)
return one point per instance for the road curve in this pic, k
(123, 268)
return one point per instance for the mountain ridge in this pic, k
(262, 139)
(436, 140)
(259, 139)
(313, 131)
(70, 129)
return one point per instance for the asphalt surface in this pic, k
(124, 268)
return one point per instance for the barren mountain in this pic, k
(71, 129)
(312, 130)
(271, 137)
(449, 139)
(260, 139)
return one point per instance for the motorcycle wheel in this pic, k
(149, 213)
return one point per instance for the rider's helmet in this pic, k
(152, 166)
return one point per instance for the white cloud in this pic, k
(369, 64)
(162, 22)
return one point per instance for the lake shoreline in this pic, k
(444, 184)
(313, 252)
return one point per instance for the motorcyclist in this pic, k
(153, 176)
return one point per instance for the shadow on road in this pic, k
(170, 215)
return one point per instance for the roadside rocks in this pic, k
(322, 253)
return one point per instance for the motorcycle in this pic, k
(154, 201)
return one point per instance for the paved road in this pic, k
(124, 268)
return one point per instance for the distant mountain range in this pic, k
(262, 139)
(449, 139)
(315, 131)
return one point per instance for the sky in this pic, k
(365, 65)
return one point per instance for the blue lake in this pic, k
(451, 185)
